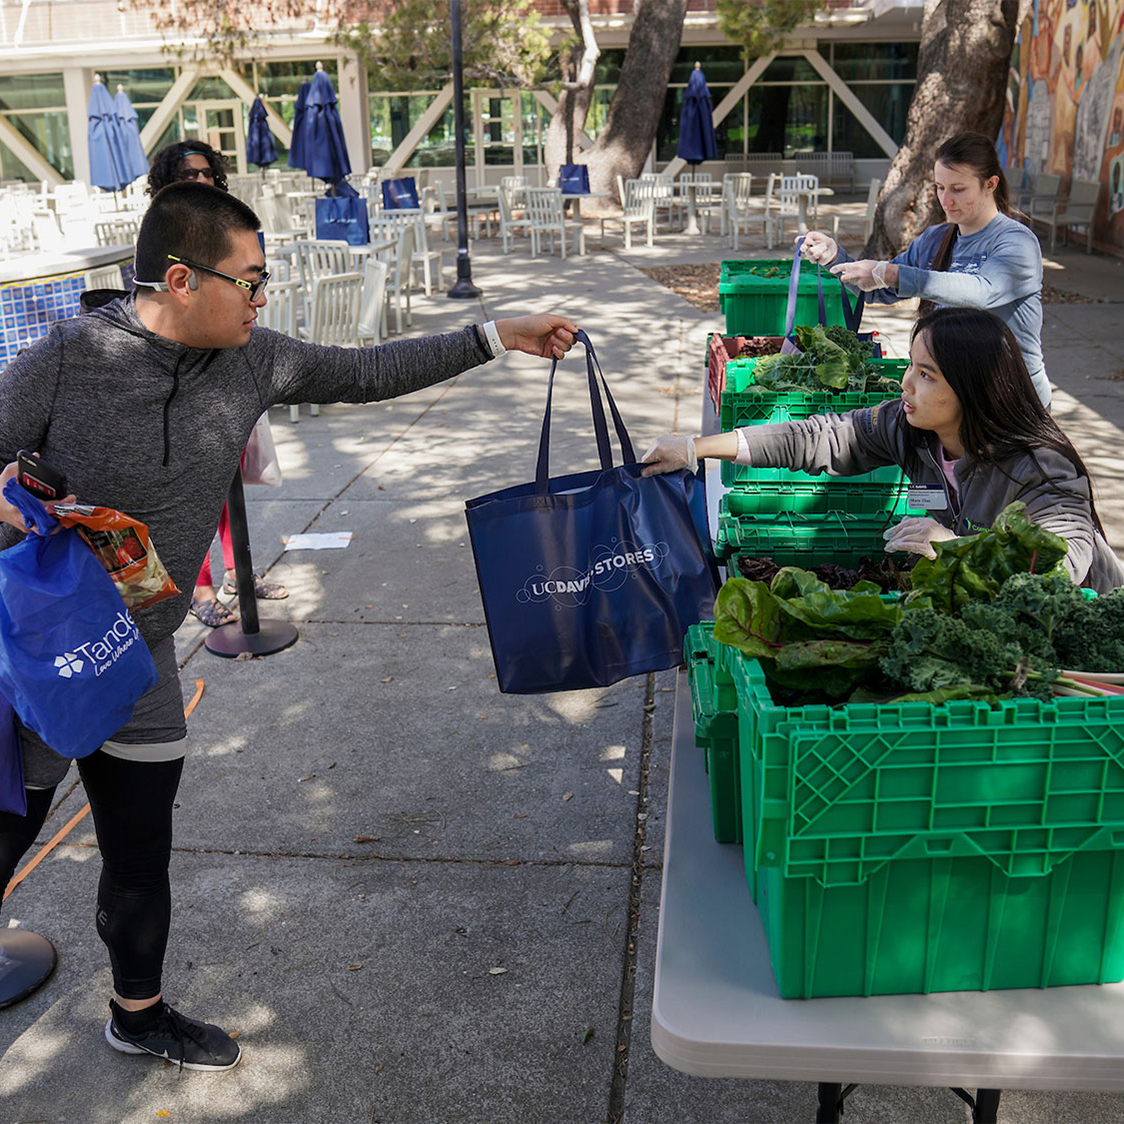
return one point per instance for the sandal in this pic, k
(263, 590)
(212, 612)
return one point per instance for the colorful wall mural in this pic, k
(1065, 104)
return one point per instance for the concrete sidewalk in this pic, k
(416, 899)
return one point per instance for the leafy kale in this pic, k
(932, 651)
(1092, 638)
(829, 360)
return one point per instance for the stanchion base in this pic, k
(26, 960)
(272, 636)
(464, 290)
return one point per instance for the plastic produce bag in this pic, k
(72, 661)
(123, 547)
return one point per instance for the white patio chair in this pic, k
(333, 318)
(638, 200)
(737, 212)
(398, 277)
(866, 218)
(426, 263)
(510, 226)
(664, 195)
(322, 258)
(372, 308)
(545, 214)
(280, 309)
(1038, 202)
(1076, 210)
(104, 277)
(783, 203)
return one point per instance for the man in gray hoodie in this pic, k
(146, 405)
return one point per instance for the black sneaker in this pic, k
(187, 1042)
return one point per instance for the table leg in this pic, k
(802, 213)
(987, 1106)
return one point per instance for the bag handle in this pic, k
(600, 425)
(852, 314)
(34, 513)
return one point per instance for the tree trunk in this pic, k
(560, 143)
(634, 114)
(962, 69)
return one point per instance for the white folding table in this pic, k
(716, 1010)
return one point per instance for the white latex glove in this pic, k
(916, 534)
(819, 248)
(866, 275)
(669, 453)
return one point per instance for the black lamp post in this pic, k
(463, 289)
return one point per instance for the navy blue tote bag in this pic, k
(342, 219)
(590, 578)
(574, 179)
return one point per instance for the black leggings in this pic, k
(131, 803)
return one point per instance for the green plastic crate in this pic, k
(756, 305)
(801, 540)
(714, 706)
(751, 502)
(907, 848)
(742, 406)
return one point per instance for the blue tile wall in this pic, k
(29, 308)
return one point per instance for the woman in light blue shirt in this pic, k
(995, 262)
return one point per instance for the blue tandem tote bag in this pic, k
(342, 218)
(72, 661)
(573, 179)
(590, 578)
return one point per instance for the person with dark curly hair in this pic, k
(187, 160)
(192, 161)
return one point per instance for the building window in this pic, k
(35, 106)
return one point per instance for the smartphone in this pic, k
(38, 477)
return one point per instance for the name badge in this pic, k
(927, 498)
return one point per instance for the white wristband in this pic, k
(492, 335)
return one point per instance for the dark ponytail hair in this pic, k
(1001, 414)
(975, 151)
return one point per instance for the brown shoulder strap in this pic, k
(942, 259)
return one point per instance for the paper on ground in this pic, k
(324, 540)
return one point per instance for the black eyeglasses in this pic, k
(195, 173)
(254, 288)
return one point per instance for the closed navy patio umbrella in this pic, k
(697, 141)
(323, 147)
(260, 148)
(136, 162)
(296, 148)
(108, 162)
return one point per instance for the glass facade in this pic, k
(35, 106)
(790, 109)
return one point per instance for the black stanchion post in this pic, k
(250, 634)
(463, 289)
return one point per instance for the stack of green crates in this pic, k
(714, 706)
(754, 296)
(912, 848)
(791, 517)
